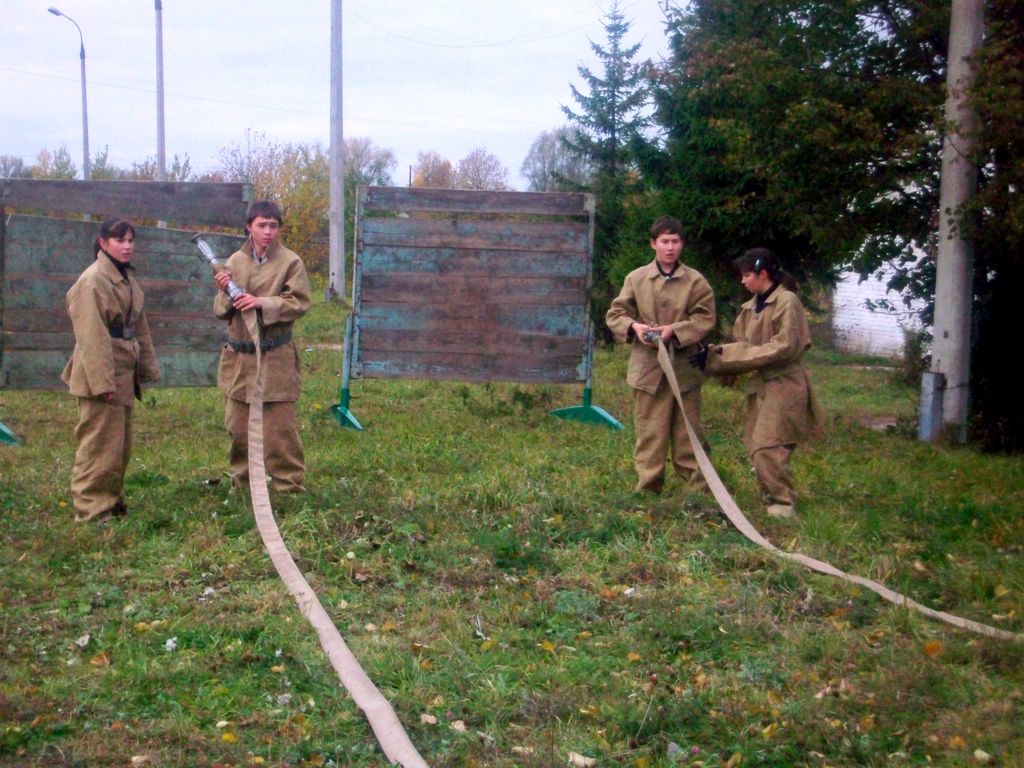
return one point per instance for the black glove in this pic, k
(699, 359)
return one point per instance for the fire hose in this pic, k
(391, 736)
(743, 525)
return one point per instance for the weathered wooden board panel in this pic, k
(427, 289)
(376, 259)
(465, 233)
(472, 286)
(472, 319)
(43, 257)
(471, 368)
(213, 204)
(522, 344)
(406, 199)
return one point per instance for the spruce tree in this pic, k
(610, 117)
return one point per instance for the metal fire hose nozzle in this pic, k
(210, 258)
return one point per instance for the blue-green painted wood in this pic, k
(42, 257)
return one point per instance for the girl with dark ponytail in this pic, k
(113, 356)
(771, 337)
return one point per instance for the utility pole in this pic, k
(336, 214)
(161, 148)
(947, 383)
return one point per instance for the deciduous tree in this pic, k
(552, 165)
(432, 170)
(481, 170)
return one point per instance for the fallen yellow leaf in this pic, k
(546, 645)
(277, 669)
(932, 649)
(734, 761)
(956, 742)
(100, 660)
(634, 656)
(228, 737)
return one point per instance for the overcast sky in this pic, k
(445, 75)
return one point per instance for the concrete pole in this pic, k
(951, 346)
(161, 149)
(336, 214)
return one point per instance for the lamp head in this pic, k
(54, 11)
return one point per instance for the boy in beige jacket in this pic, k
(668, 299)
(277, 289)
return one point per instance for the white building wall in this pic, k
(857, 329)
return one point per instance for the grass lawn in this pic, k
(501, 584)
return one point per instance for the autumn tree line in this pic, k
(808, 126)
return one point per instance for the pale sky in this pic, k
(444, 75)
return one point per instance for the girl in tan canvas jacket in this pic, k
(113, 357)
(771, 336)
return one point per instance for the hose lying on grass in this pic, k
(743, 525)
(386, 726)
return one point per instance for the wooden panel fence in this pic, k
(471, 286)
(40, 258)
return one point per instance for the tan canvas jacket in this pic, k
(283, 286)
(99, 299)
(770, 345)
(685, 302)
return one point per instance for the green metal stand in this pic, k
(6, 436)
(344, 416)
(587, 413)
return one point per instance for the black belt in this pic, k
(249, 347)
(118, 331)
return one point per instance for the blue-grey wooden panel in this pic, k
(41, 259)
(465, 233)
(376, 259)
(405, 199)
(472, 286)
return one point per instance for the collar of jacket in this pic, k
(271, 251)
(752, 301)
(653, 271)
(109, 268)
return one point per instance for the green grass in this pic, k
(489, 564)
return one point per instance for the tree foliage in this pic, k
(54, 165)
(481, 170)
(552, 166)
(808, 127)
(432, 170)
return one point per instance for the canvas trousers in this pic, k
(773, 474)
(282, 446)
(659, 429)
(104, 438)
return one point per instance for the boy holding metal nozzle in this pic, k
(276, 287)
(671, 301)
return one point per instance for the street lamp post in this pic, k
(85, 108)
